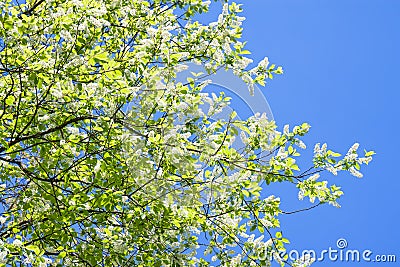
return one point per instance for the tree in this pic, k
(107, 160)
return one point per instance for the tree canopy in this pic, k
(107, 160)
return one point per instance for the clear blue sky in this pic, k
(341, 60)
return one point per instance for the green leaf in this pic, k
(33, 248)
(334, 154)
(369, 153)
(10, 100)
(98, 128)
(245, 52)
(285, 240)
(101, 56)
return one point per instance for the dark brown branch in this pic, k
(41, 134)
(35, 5)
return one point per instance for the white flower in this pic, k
(74, 152)
(99, 12)
(335, 204)
(270, 199)
(257, 241)
(206, 3)
(269, 243)
(314, 177)
(182, 106)
(355, 173)
(251, 238)
(72, 130)
(66, 35)
(251, 88)
(60, 12)
(3, 255)
(364, 160)
(236, 260)
(281, 154)
(17, 243)
(351, 156)
(29, 259)
(77, 3)
(332, 169)
(92, 86)
(47, 260)
(238, 18)
(44, 118)
(225, 9)
(212, 24)
(186, 135)
(2, 219)
(263, 63)
(286, 129)
(316, 148)
(277, 257)
(354, 147)
(56, 92)
(97, 167)
(181, 67)
(139, 55)
(243, 137)
(266, 222)
(244, 235)
(195, 230)
(304, 261)
(166, 35)
(301, 144)
(82, 26)
(323, 148)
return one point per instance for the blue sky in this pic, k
(341, 60)
(341, 63)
